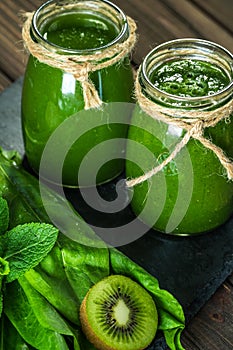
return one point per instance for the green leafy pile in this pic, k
(41, 306)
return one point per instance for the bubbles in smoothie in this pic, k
(79, 32)
(189, 78)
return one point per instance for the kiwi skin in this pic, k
(91, 335)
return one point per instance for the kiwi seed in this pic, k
(118, 314)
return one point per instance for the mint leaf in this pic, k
(4, 216)
(4, 267)
(26, 245)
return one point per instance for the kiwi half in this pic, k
(118, 314)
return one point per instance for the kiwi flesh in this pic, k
(119, 314)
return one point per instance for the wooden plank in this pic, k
(219, 10)
(12, 58)
(4, 81)
(154, 32)
(212, 328)
(28, 5)
(161, 24)
(201, 22)
(171, 22)
(12, 55)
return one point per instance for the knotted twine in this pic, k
(194, 122)
(80, 66)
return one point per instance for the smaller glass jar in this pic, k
(187, 80)
(77, 28)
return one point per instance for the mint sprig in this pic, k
(23, 247)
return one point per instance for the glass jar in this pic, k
(77, 28)
(188, 81)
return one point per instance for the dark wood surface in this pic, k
(158, 21)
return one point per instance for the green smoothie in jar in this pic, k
(51, 94)
(188, 80)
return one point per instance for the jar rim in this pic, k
(121, 35)
(201, 44)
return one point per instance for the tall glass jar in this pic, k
(183, 119)
(77, 29)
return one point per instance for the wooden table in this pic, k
(158, 21)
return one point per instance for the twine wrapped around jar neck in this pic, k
(194, 122)
(80, 66)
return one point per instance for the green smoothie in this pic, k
(80, 31)
(51, 95)
(189, 78)
(191, 194)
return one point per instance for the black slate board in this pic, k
(191, 268)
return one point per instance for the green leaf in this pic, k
(22, 191)
(44, 311)
(57, 291)
(94, 262)
(4, 216)
(11, 156)
(52, 264)
(26, 245)
(79, 281)
(50, 280)
(84, 266)
(4, 267)
(21, 315)
(10, 339)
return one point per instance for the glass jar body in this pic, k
(191, 194)
(46, 103)
(198, 197)
(51, 95)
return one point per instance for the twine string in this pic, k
(80, 66)
(194, 122)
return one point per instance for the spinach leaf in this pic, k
(21, 189)
(20, 211)
(4, 216)
(45, 313)
(84, 266)
(171, 316)
(10, 339)
(52, 264)
(79, 281)
(94, 262)
(25, 246)
(57, 291)
(22, 316)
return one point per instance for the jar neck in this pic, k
(104, 10)
(187, 49)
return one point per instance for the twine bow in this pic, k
(194, 122)
(80, 65)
